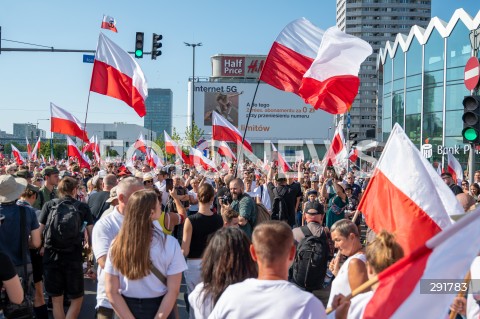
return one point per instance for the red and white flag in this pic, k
(455, 169)
(35, 150)
(64, 122)
(140, 144)
(29, 148)
(154, 160)
(224, 165)
(331, 83)
(226, 151)
(337, 152)
(291, 55)
(404, 289)
(18, 157)
(109, 23)
(197, 158)
(73, 151)
(171, 147)
(90, 146)
(414, 203)
(116, 74)
(353, 156)
(223, 130)
(282, 163)
(96, 151)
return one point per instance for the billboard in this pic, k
(276, 115)
(234, 65)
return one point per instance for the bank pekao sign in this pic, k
(428, 149)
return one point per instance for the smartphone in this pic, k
(168, 184)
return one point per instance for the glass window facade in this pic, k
(159, 111)
(423, 90)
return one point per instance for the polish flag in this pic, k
(116, 74)
(414, 202)
(90, 146)
(197, 158)
(140, 144)
(439, 169)
(224, 165)
(353, 156)
(404, 291)
(36, 149)
(292, 53)
(43, 159)
(109, 23)
(73, 151)
(96, 151)
(65, 123)
(29, 148)
(222, 130)
(171, 147)
(281, 161)
(18, 157)
(226, 151)
(154, 160)
(455, 169)
(337, 152)
(331, 83)
(266, 165)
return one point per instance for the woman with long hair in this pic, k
(138, 257)
(226, 261)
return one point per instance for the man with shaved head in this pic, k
(98, 201)
(104, 232)
(244, 205)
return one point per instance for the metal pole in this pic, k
(193, 86)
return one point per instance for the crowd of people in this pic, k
(138, 232)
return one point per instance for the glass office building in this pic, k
(422, 88)
(159, 111)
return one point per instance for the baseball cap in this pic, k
(113, 195)
(314, 208)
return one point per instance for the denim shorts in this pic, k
(143, 308)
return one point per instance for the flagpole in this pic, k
(467, 279)
(86, 114)
(240, 155)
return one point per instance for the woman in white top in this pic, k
(226, 261)
(353, 272)
(131, 287)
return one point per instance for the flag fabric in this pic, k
(73, 151)
(331, 83)
(226, 151)
(35, 150)
(43, 159)
(455, 169)
(337, 152)
(291, 55)
(282, 163)
(116, 74)
(109, 23)
(353, 156)
(96, 151)
(29, 148)
(18, 157)
(415, 203)
(224, 165)
(154, 160)
(223, 130)
(403, 290)
(201, 145)
(140, 144)
(171, 147)
(197, 158)
(64, 122)
(439, 169)
(90, 146)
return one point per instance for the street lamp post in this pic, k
(329, 132)
(193, 45)
(36, 129)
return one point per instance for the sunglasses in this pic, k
(148, 182)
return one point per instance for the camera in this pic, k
(227, 198)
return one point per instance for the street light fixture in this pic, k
(37, 132)
(193, 45)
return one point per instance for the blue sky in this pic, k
(30, 81)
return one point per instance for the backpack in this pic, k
(279, 206)
(64, 227)
(310, 264)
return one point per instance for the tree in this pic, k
(59, 149)
(193, 134)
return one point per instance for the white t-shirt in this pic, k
(473, 309)
(103, 233)
(162, 187)
(341, 285)
(201, 308)
(265, 197)
(166, 255)
(254, 298)
(193, 207)
(358, 305)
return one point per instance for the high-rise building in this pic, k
(159, 111)
(376, 21)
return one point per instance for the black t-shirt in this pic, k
(7, 271)
(202, 228)
(290, 196)
(96, 202)
(76, 255)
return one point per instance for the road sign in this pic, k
(348, 120)
(471, 73)
(87, 58)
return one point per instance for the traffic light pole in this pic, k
(55, 50)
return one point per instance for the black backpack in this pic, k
(310, 264)
(279, 206)
(63, 230)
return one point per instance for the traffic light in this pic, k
(156, 45)
(471, 119)
(139, 45)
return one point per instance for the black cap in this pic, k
(314, 208)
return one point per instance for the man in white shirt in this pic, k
(104, 232)
(274, 250)
(161, 185)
